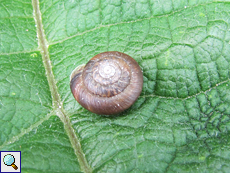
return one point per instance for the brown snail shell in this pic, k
(108, 84)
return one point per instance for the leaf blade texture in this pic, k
(181, 121)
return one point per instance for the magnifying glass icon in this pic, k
(9, 160)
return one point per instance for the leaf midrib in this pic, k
(56, 100)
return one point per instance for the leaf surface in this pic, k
(181, 121)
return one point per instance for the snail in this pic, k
(108, 84)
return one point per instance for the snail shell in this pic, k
(108, 84)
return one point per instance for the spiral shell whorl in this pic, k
(108, 84)
(106, 75)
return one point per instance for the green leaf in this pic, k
(181, 121)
